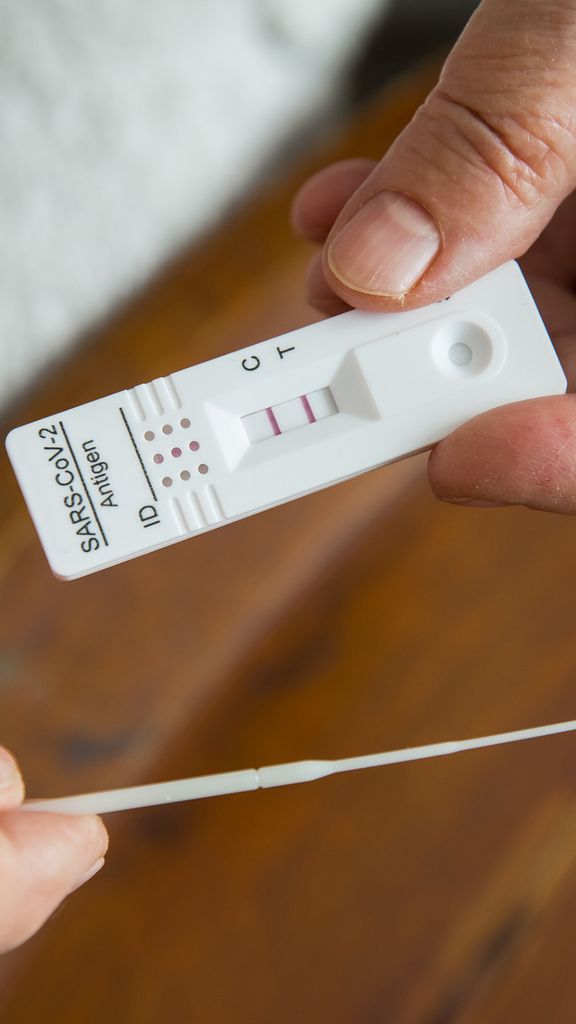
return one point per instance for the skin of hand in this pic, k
(43, 858)
(485, 172)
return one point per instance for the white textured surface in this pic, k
(125, 127)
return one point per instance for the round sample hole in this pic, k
(158, 459)
(176, 452)
(185, 423)
(193, 446)
(166, 429)
(184, 475)
(149, 435)
(460, 354)
(202, 468)
(167, 481)
(463, 349)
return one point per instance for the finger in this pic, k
(319, 201)
(521, 454)
(11, 785)
(314, 210)
(43, 857)
(319, 292)
(477, 174)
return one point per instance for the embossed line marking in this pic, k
(136, 404)
(139, 457)
(171, 392)
(179, 517)
(148, 395)
(214, 502)
(197, 510)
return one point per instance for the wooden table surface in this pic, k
(365, 617)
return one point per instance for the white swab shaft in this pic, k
(349, 764)
(289, 774)
(149, 796)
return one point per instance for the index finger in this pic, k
(11, 784)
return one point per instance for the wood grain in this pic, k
(362, 618)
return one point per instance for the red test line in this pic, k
(308, 409)
(273, 421)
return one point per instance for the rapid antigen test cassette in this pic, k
(183, 454)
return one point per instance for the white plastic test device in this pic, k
(183, 454)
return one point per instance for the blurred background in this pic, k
(149, 156)
(128, 129)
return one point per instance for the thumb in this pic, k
(479, 171)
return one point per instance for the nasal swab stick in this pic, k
(289, 774)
